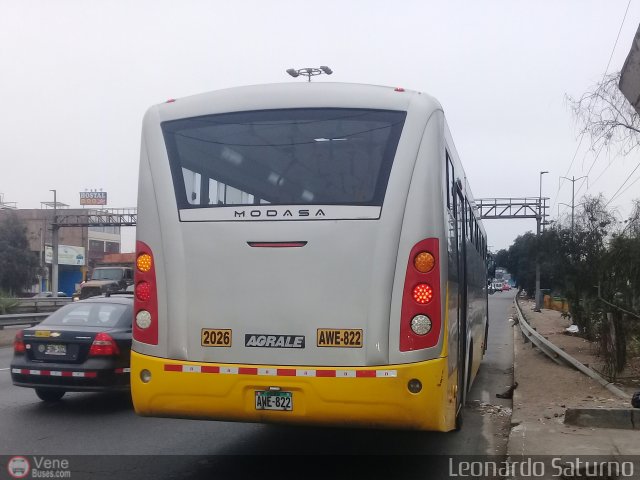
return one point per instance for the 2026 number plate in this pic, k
(274, 400)
(210, 337)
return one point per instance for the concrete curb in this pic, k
(621, 418)
(568, 358)
(515, 412)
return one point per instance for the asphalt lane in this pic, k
(99, 424)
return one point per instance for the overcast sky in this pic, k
(77, 77)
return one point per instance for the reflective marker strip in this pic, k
(58, 373)
(280, 372)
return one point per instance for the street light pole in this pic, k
(538, 223)
(54, 246)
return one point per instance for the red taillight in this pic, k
(145, 302)
(103, 345)
(18, 343)
(421, 297)
(143, 291)
(422, 293)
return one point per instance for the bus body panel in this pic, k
(422, 218)
(285, 292)
(223, 392)
(348, 273)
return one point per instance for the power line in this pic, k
(617, 38)
(591, 168)
(582, 136)
(628, 187)
(623, 184)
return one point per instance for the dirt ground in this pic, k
(545, 388)
(7, 335)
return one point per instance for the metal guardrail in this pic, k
(14, 319)
(39, 305)
(529, 334)
(560, 356)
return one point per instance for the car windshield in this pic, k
(90, 314)
(107, 274)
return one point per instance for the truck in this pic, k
(114, 273)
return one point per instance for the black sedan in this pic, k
(84, 346)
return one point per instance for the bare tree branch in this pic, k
(607, 117)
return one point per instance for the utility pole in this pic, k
(573, 181)
(538, 223)
(54, 246)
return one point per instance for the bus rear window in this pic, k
(328, 156)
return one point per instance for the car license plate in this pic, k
(56, 349)
(273, 400)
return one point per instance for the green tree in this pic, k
(17, 263)
(520, 261)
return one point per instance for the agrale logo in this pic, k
(273, 341)
(18, 467)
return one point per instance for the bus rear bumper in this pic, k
(372, 397)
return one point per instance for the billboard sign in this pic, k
(67, 255)
(93, 198)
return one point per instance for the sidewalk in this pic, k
(546, 390)
(7, 335)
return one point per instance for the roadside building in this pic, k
(630, 77)
(79, 250)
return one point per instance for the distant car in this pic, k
(48, 294)
(506, 287)
(497, 286)
(84, 346)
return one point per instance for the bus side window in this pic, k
(471, 220)
(191, 185)
(450, 183)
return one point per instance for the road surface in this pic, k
(99, 425)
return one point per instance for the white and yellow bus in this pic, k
(306, 253)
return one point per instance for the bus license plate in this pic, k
(273, 400)
(56, 349)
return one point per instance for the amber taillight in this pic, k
(421, 321)
(145, 302)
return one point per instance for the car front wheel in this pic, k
(49, 395)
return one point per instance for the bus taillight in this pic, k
(145, 302)
(421, 301)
